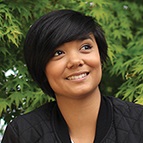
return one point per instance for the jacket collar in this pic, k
(104, 122)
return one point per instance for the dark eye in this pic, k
(86, 47)
(58, 53)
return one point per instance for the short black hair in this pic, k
(53, 30)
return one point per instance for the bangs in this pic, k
(66, 30)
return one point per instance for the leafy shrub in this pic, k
(122, 75)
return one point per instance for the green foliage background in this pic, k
(122, 21)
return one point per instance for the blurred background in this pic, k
(122, 21)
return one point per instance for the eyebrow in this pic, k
(85, 37)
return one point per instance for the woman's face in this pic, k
(75, 69)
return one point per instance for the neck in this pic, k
(81, 115)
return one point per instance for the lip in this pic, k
(77, 76)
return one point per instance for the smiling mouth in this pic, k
(76, 77)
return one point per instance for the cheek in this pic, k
(51, 77)
(53, 72)
(95, 65)
(94, 62)
(50, 74)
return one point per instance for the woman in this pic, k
(64, 51)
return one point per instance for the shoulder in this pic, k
(36, 116)
(125, 107)
(32, 125)
(127, 120)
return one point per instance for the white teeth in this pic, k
(77, 76)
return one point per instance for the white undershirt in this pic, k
(72, 141)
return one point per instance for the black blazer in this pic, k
(40, 125)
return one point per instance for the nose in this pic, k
(74, 61)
